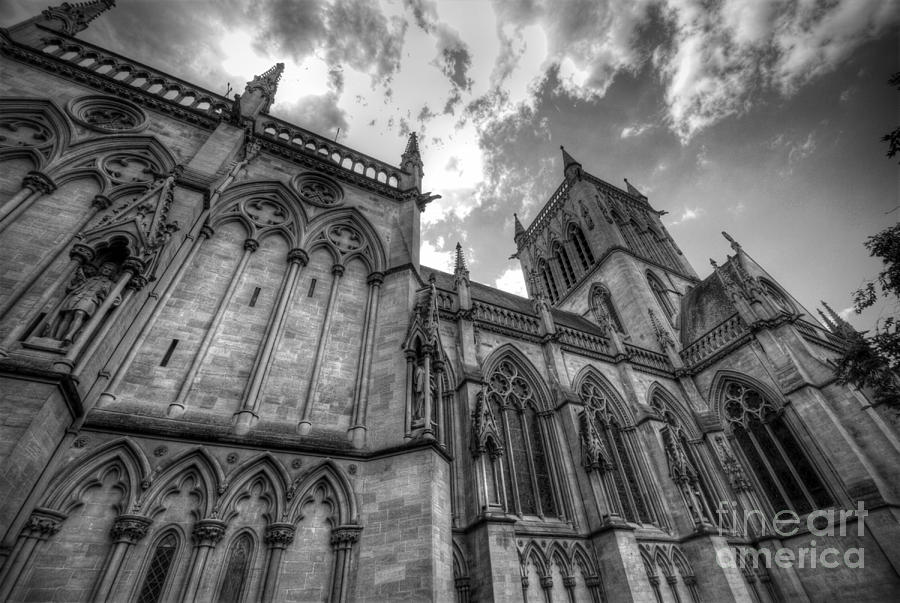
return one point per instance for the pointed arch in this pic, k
(589, 375)
(332, 477)
(38, 112)
(370, 250)
(197, 463)
(662, 561)
(236, 203)
(533, 553)
(550, 288)
(582, 249)
(682, 563)
(660, 293)
(510, 352)
(157, 577)
(557, 554)
(73, 481)
(565, 264)
(460, 562)
(603, 308)
(263, 470)
(658, 395)
(584, 560)
(724, 376)
(235, 575)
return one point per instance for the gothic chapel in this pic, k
(225, 376)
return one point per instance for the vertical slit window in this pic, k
(168, 354)
(158, 570)
(312, 288)
(236, 570)
(254, 297)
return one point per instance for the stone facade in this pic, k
(225, 375)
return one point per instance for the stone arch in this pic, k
(720, 381)
(584, 560)
(338, 488)
(228, 571)
(70, 484)
(264, 471)
(681, 562)
(232, 206)
(41, 112)
(557, 554)
(182, 548)
(197, 463)
(370, 250)
(678, 408)
(510, 352)
(619, 408)
(87, 158)
(662, 561)
(534, 554)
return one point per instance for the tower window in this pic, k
(662, 297)
(565, 266)
(581, 247)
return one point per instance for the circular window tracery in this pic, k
(107, 114)
(346, 239)
(317, 190)
(130, 168)
(24, 132)
(743, 404)
(508, 387)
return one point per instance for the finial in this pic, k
(412, 145)
(74, 18)
(831, 326)
(460, 269)
(633, 191)
(839, 325)
(519, 230)
(713, 263)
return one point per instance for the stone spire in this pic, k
(520, 232)
(633, 191)
(71, 18)
(411, 161)
(259, 93)
(836, 324)
(571, 168)
(460, 270)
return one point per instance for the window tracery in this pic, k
(318, 190)
(627, 480)
(107, 114)
(581, 247)
(659, 292)
(779, 462)
(529, 489)
(159, 569)
(236, 569)
(565, 266)
(549, 282)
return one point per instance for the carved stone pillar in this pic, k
(109, 395)
(249, 413)
(305, 425)
(595, 587)
(207, 533)
(34, 185)
(438, 418)
(569, 583)
(410, 390)
(462, 585)
(278, 537)
(361, 393)
(79, 255)
(342, 540)
(547, 588)
(127, 531)
(42, 524)
(176, 408)
(428, 432)
(130, 268)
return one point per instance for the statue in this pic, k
(419, 386)
(83, 297)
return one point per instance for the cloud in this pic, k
(688, 214)
(319, 113)
(434, 256)
(512, 281)
(453, 56)
(635, 130)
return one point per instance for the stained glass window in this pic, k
(525, 462)
(158, 570)
(776, 458)
(236, 570)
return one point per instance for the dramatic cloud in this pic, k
(512, 281)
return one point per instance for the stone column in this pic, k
(357, 432)
(207, 533)
(42, 524)
(427, 431)
(130, 268)
(176, 408)
(34, 185)
(99, 204)
(569, 584)
(109, 395)
(305, 425)
(438, 366)
(127, 531)
(547, 588)
(595, 587)
(342, 540)
(462, 589)
(80, 255)
(278, 537)
(410, 389)
(249, 413)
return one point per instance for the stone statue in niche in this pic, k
(83, 296)
(419, 385)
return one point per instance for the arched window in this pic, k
(628, 482)
(549, 283)
(526, 471)
(777, 459)
(159, 568)
(236, 570)
(777, 297)
(686, 466)
(565, 266)
(603, 309)
(659, 292)
(581, 247)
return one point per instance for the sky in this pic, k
(761, 118)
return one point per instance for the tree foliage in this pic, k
(893, 138)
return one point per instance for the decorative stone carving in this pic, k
(345, 238)
(279, 535)
(736, 476)
(343, 537)
(43, 523)
(84, 294)
(130, 528)
(318, 190)
(208, 532)
(547, 582)
(107, 114)
(24, 132)
(593, 451)
(129, 168)
(484, 428)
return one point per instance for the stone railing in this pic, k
(131, 73)
(345, 157)
(584, 341)
(507, 319)
(820, 336)
(644, 358)
(714, 340)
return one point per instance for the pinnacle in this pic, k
(634, 191)
(412, 145)
(75, 17)
(518, 225)
(460, 268)
(567, 159)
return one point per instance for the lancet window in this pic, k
(549, 282)
(236, 569)
(628, 482)
(779, 462)
(528, 489)
(659, 292)
(603, 309)
(581, 247)
(565, 266)
(159, 569)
